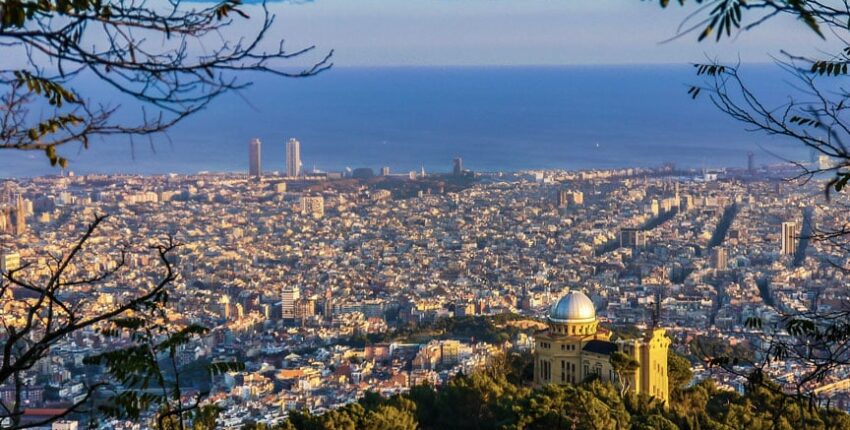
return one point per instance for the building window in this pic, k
(563, 371)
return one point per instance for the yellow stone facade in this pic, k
(573, 348)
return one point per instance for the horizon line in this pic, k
(524, 65)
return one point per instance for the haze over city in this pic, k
(426, 214)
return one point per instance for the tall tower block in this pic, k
(255, 167)
(789, 238)
(293, 158)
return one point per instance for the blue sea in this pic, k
(496, 119)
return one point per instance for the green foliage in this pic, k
(622, 362)
(728, 15)
(561, 407)
(679, 373)
(833, 67)
(654, 422)
(51, 90)
(489, 328)
(147, 373)
(204, 417)
(490, 400)
(387, 417)
(477, 401)
(725, 16)
(715, 348)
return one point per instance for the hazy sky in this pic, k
(516, 32)
(506, 32)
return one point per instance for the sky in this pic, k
(376, 33)
(516, 32)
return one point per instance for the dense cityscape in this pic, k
(510, 215)
(329, 285)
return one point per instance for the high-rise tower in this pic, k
(563, 198)
(255, 167)
(5, 220)
(293, 158)
(719, 260)
(20, 216)
(457, 166)
(789, 238)
(632, 238)
(289, 295)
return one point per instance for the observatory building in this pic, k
(574, 348)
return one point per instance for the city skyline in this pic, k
(512, 214)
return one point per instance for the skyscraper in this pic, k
(457, 166)
(751, 162)
(789, 238)
(5, 220)
(567, 198)
(328, 309)
(632, 238)
(718, 258)
(289, 296)
(563, 198)
(293, 158)
(255, 167)
(20, 216)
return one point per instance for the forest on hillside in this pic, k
(500, 397)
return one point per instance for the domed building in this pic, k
(573, 348)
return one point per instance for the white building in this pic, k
(293, 158)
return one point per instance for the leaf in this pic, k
(806, 16)
(694, 92)
(132, 323)
(753, 322)
(222, 367)
(182, 337)
(841, 181)
(829, 68)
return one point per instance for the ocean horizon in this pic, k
(496, 118)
